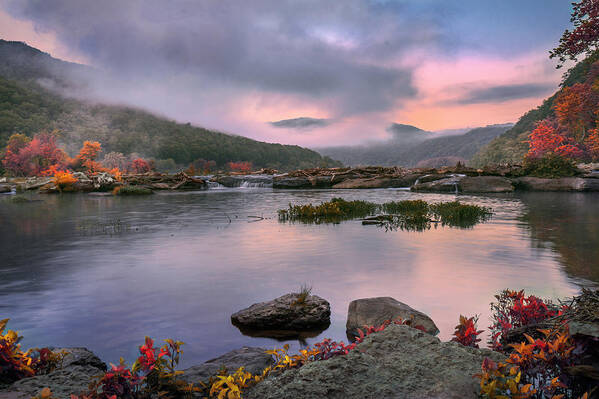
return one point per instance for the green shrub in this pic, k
(549, 166)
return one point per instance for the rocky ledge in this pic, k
(399, 362)
(291, 312)
(79, 367)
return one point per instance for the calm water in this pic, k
(181, 263)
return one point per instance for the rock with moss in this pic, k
(288, 312)
(399, 362)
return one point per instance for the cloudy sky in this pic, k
(313, 72)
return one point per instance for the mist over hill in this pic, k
(39, 92)
(409, 146)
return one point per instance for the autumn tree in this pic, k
(585, 35)
(32, 158)
(243, 166)
(140, 165)
(87, 156)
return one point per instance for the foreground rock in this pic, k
(78, 369)
(5, 188)
(285, 313)
(375, 311)
(251, 359)
(399, 362)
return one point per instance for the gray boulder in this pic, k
(485, 184)
(79, 367)
(378, 182)
(5, 188)
(399, 362)
(285, 313)
(252, 359)
(375, 311)
(445, 185)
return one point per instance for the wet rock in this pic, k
(5, 188)
(291, 182)
(285, 313)
(78, 369)
(375, 311)
(240, 181)
(252, 359)
(399, 362)
(378, 182)
(485, 184)
(445, 185)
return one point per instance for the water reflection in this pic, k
(567, 224)
(196, 258)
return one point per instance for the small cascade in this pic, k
(212, 185)
(243, 181)
(255, 184)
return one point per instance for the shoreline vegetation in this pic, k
(538, 349)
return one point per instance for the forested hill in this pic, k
(29, 104)
(427, 151)
(511, 146)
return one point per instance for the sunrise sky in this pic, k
(348, 68)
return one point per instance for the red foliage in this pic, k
(465, 333)
(592, 143)
(545, 139)
(31, 158)
(240, 166)
(139, 165)
(149, 355)
(118, 382)
(513, 309)
(585, 36)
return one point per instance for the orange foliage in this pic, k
(240, 166)
(87, 157)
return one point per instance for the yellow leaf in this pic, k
(3, 324)
(46, 393)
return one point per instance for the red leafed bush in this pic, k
(514, 309)
(240, 166)
(465, 333)
(30, 158)
(139, 165)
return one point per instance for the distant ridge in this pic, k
(31, 83)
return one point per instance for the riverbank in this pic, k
(458, 179)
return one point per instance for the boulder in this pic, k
(290, 182)
(561, 184)
(5, 188)
(78, 369)
(378, 182)
(485, 184)
(445, 185)
(285, 313)
(252, 359)
(286, 181)
(31, 183)
(399, 362)
(375, 311)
